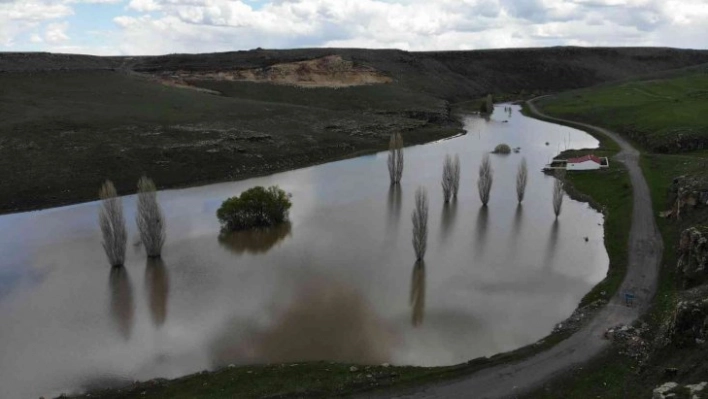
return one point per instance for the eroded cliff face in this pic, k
(689, 326)
(685, 194)
(330, 71)
(693, 249)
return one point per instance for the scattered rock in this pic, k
(662, 391)
(575, 321)
(353, 369)
(231, 365)
(674, 390)
(689, 325)
(385, 365)
(697, 387)
(631, 341)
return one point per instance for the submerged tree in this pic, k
(112, 222)
(486, 178)
(521, 180)
(395, 158)
(455, 176)
(256, 207)
(420, 223)
(150, 220)
(448, 178)
(558, 192)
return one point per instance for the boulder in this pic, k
(693, 250)
(689, 325)
(685, 193)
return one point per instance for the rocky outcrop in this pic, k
(686, 193)
(675, 390)
(689, 325)
(693, 250)
(331, 71)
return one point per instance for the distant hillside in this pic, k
(450, 75)
(71, 121)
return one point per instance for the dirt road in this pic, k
(645, 250)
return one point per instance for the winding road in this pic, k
(645, 251)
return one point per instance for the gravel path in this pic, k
(645, 251)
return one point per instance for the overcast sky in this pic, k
(138, 27)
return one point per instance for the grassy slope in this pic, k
(615, 375)
(63, 133)
(662, 115)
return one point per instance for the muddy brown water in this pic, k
(339, 282)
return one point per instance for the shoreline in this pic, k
(442, 132)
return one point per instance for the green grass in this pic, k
(664, 115)
(314, 380)
(63, 133)
(610, 191)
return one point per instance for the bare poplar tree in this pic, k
(456, 176)
(486, 178)
(112, 222)
(149, 218)
(521, 180)
(448, 178)
(558, 193)
(420, 223)
(395, 158)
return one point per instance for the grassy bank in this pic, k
(623, 107)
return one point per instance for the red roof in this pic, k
(586, 158)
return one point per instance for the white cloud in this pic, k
(163, 26)
(56, 33)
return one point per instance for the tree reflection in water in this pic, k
(417, 299)
(447, 219)
(552, 246)
(122, 307)
(255, 241)
(481, 231)
(394, 203)
(157, 283)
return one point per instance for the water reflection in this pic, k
(325, 320)
(394, 204)
(516, 226)
(157, 283)
(417, 300)
(447, 219)
(122, 307)
(255, 241)
(481, 231)
(551, 248)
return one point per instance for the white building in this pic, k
(587, 162)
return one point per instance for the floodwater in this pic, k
(339, 282)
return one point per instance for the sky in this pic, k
(147, 27)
